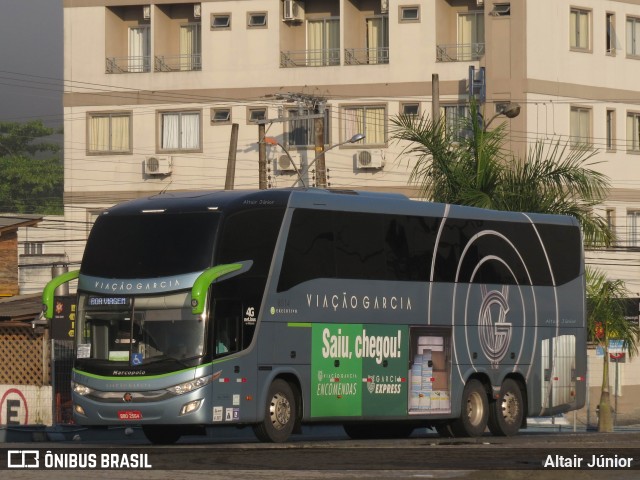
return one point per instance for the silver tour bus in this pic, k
(279, 308)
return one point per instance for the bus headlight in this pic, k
(80, 389)
(190, 407)
(190, 386)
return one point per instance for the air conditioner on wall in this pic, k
(479, 3)
(156, 165)
(384, 6)
(146, 12)
(293, 11)
(197, 10)
(368, 159)
(285, 164)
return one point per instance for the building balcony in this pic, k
(310, 58)
(128, 64)
(460, 52)
(178, 63)
(366, 56)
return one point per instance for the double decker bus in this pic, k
(278, 308)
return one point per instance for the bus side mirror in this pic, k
(211, 275)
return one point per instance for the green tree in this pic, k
(474, 169)
(31, 171)
(607, 322)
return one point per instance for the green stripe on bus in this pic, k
(299, 324)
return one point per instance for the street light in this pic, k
(272, 141)
(511, 110)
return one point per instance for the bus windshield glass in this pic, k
(139, 330)
(150, 245)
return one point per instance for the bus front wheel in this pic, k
(280, 414)
(474, 411)
(507, 412)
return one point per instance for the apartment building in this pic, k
(152, 91)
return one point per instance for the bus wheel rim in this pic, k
(510, 407)
(475, 409)
(280, 411)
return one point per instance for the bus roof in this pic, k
(356, 200)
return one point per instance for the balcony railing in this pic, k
(178, 63)
(366, 56)
(310, 58)
(459, 52)
(128, 64)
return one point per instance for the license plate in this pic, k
(130, 415)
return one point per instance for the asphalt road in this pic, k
(328, 454)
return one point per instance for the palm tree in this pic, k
(474, 169)
(606, 322)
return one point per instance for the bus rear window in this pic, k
(150, 245)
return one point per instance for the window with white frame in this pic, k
(409, 13)
(257, 19)
(220, 21)
(580, 23)
(633, 132)
(109, 133)
(370, 120)
(410, 108)
(180, 130)
(300, 132)
(633, 228)
(220, 116)
(633, 36)
(254, 114)
(580, 126)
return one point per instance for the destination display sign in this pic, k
(108, 302)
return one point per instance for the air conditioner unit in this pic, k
(293, 11)
(384, 6)
(156, 165)
(146, 12)
(368, 159)
(285, 164)
(479, 3)
(197, 10)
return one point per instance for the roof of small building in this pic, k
(19, 309)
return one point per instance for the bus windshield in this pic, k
(139, 330)
(150, 245)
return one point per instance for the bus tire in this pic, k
(161, 434)
(279, 415)
(474, 411)
(507, 412)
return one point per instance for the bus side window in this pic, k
(227, 321)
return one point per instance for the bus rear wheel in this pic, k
(280, 414)
(474, 411)
(161, 434)
(507, 412)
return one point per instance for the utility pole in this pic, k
(262, 158)
(435, 97)
(321, 168)
(231, 162)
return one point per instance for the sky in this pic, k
(31, 61)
